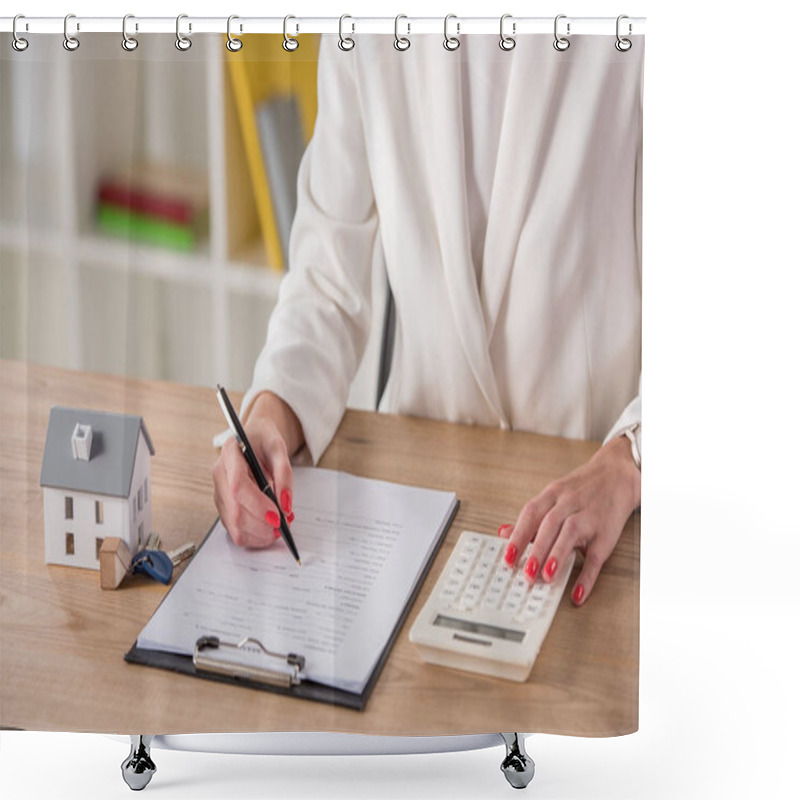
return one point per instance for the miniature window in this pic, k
(98, 543)
(133, 513)
(139, 496)
(145, 490)
(70, 544)
(67, 508)
(141, 534)
(98, 512)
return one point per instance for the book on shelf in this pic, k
(282, 146)
(156, 204)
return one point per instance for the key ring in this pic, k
(401, 43)
(183, 43)
(561, 43)
(451, 43)
(70, 43)
(129, 43)
(507, 42)
(290, 44)
(233, 44)
(18, 43)
(346, 43)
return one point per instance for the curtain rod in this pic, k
(386, 25)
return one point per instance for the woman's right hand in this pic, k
(275, 434)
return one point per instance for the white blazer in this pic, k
(549, 338)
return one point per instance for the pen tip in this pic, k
(298, 563)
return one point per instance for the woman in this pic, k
(503, 192)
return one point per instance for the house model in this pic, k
(96, 481)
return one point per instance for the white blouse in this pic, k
(502, 190)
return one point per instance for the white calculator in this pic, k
(484, 616)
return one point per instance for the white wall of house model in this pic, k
(96, 483)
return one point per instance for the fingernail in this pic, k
(577, 594)
(511, 555)
(273, 519)
(286, 501)
(290, 518)
(277, 532)
(550, 568)
(504, 531)
(531, 568)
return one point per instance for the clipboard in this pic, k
(267, 671)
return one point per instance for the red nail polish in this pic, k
(277, 532)
(550, 568)
(511, 555)
(577, 594)
(290, 518)
(286, 501)
(273, 519)
(504, 531)
(531, 568)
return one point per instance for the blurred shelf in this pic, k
(245, 275)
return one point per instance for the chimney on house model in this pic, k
(82, 442)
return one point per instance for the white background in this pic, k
(719, 697)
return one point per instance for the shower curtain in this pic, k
(343, 221)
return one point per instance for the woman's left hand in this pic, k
(585, 510)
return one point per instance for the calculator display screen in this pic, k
(478, 627)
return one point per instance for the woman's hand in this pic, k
(275, 434)
(585, 510)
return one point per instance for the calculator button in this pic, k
(492, 549)
(521, 583)
(531, 610)
(481, 576)
(469, 600)
(510, 607)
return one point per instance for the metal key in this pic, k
(181, 554)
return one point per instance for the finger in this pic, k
(527, 526)
(504, 531)
(549, 528)
(588, 576)
(243, 527)
(234, 483)
(242, 488)
(569, 535)
(276, 458)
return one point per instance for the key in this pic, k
(181, 554)
(155, 563)
(153, 542)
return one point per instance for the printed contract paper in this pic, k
(363, 544)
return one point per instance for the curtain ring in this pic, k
(451, 43)
(346, 43)
(561, 43)
(233, 44)
(70, 43)
(183, 43)
(506, 42)
(623, 45)
(129, 43)
(401, 42)
(18, 43)
(290, 44)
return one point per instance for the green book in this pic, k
(118, 221)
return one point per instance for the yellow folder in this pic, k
(260, 70)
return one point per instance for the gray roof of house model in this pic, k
(109, 470)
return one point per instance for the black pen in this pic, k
(255, 467)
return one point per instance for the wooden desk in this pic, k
(63, 638)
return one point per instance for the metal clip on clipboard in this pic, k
(260, 665)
